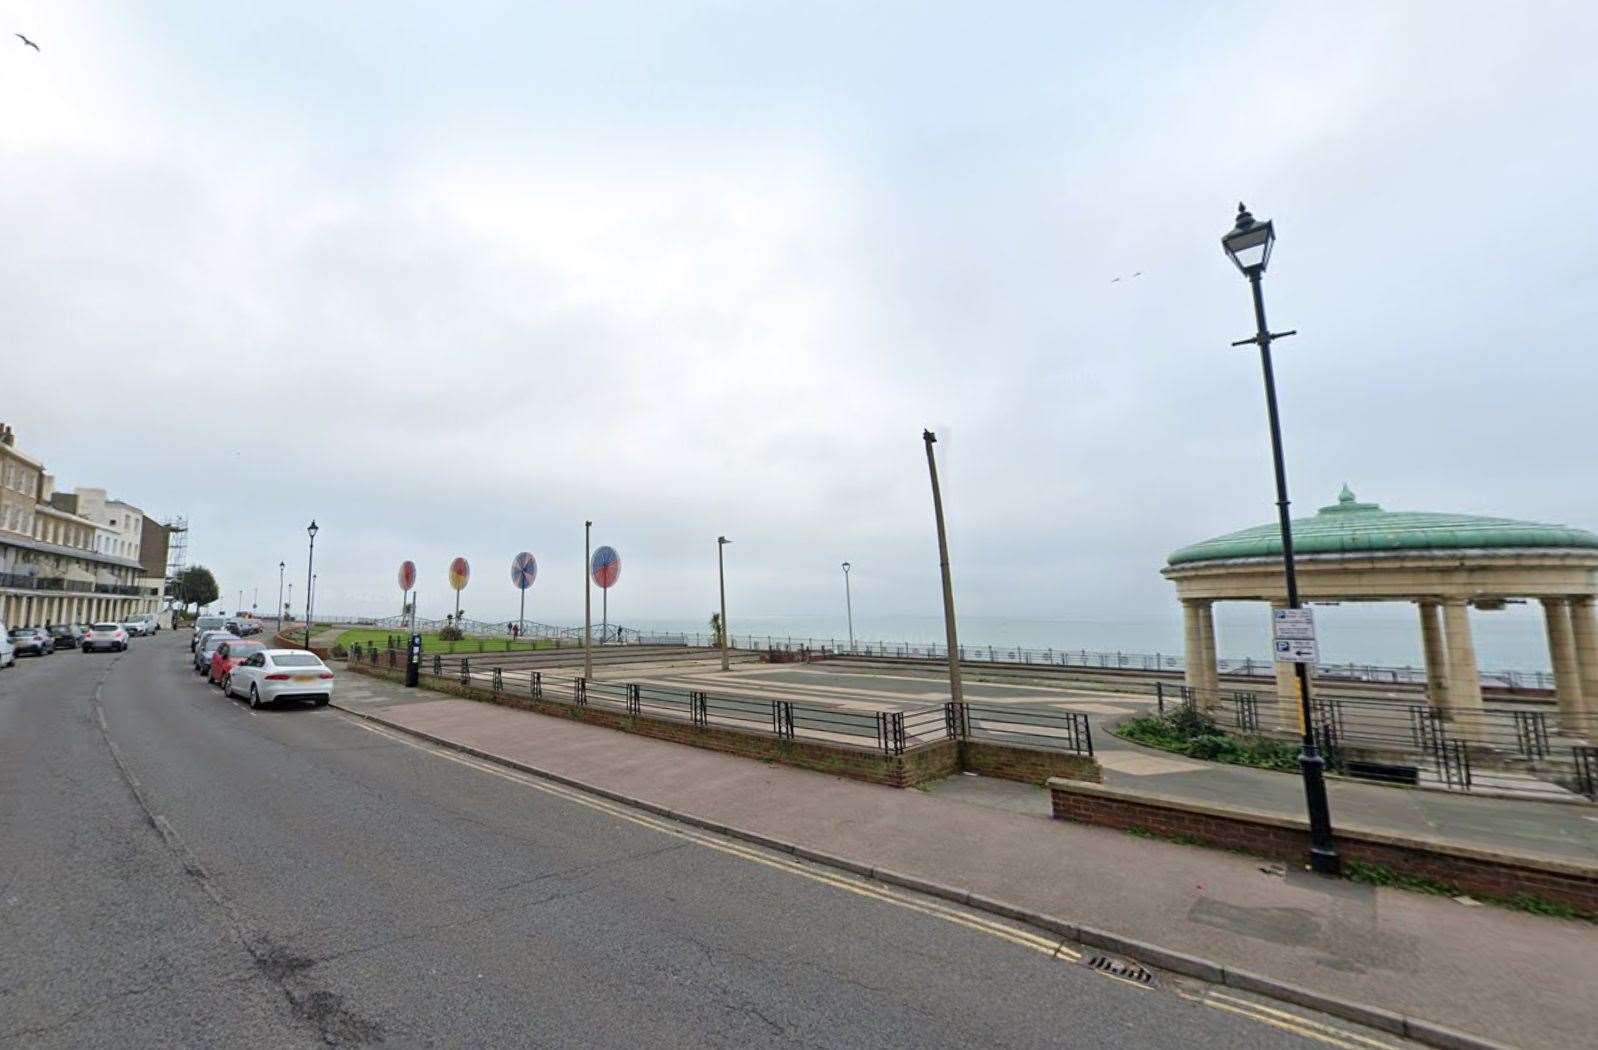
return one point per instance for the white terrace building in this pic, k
(52, 567)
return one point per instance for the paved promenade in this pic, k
(1427, 957)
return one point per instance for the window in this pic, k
(296, 660)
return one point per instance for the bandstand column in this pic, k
(1210, 685)
(1584, 626)
(1431, 634)
(1464, 685)
(1562, 653)
(1192, 646)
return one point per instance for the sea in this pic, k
(1512, 639)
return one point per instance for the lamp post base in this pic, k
(1323, 856)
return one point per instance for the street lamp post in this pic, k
(310, 561)
(848, 604)
(721, 575)
(588, 601)
(280, 567)
(1248, 245)
(951, 636)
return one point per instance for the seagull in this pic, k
(25, 40)
(1115, 280)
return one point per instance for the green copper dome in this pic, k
(1351, 527)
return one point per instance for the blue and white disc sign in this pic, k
(523, 570)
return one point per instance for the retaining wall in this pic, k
(1474, 870)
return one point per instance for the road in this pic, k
(176, 869)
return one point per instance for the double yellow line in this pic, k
(1281, 1019)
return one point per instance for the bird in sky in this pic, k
(26, 41)
(1117, 280)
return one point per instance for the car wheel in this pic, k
(227, 685)
(321, 701)
(255, 697)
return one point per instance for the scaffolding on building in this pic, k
(177, 549)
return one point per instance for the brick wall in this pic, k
(1485, 873)
(1027, 764)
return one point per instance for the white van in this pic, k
(8, 652)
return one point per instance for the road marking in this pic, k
(1280, 1019)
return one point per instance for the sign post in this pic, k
(605, 567)
(459, 573)
(523, 571)
(407, 580)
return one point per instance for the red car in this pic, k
(227, 655)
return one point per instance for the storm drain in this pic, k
(1126, 971)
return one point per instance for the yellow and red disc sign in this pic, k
(407, 575)
(459, 573)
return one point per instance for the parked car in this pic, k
(8, 652)
(228, 655)
(32, 641)
(207, 646)
(66, 635)
(141, 625)
(280, 674)
(203, 624)
(104, 636)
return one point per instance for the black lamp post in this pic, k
(280, 567)
(310, 530)
(1248, 245)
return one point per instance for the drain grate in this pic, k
(1119, 968)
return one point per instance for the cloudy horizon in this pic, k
(453, 280)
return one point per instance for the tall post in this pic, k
(848, 604)
(310, 563)
(956, 690)
(280, 567)
(588, 601)
(721, 576)
(1323, 850)
(521, 617)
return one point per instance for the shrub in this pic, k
(1190, 732)
(450, 633)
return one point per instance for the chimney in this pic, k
(46, 487)
(6, 436)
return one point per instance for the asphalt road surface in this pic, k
(176, 870)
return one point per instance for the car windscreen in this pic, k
(236, 649)
(296, 660)
(105, 626)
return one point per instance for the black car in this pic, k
(66, 635)
(32, 641)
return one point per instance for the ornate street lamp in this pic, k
(1248, 245)
(310, 530)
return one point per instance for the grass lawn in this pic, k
(432, 644)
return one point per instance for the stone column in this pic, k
(1584, 625)
(1562, 653)
(1192, 648)
(1431, 634)
(1464, 686)
(1209, 689)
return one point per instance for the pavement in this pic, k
(178, 870)
(1519, 825)
(1457, 963)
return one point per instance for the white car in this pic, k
(138, 626)
(203, 624)
(110, 636)
(206, 647)
(280, 674)
(8, 652)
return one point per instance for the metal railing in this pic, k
(1499, 748)
(886, 732)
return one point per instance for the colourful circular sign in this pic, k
(523, 570)
(407, 575)
(605, 566)
(459, 573)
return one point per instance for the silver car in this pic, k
(206, 646)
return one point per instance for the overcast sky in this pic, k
(453, 278)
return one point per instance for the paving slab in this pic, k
(1520, 979)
